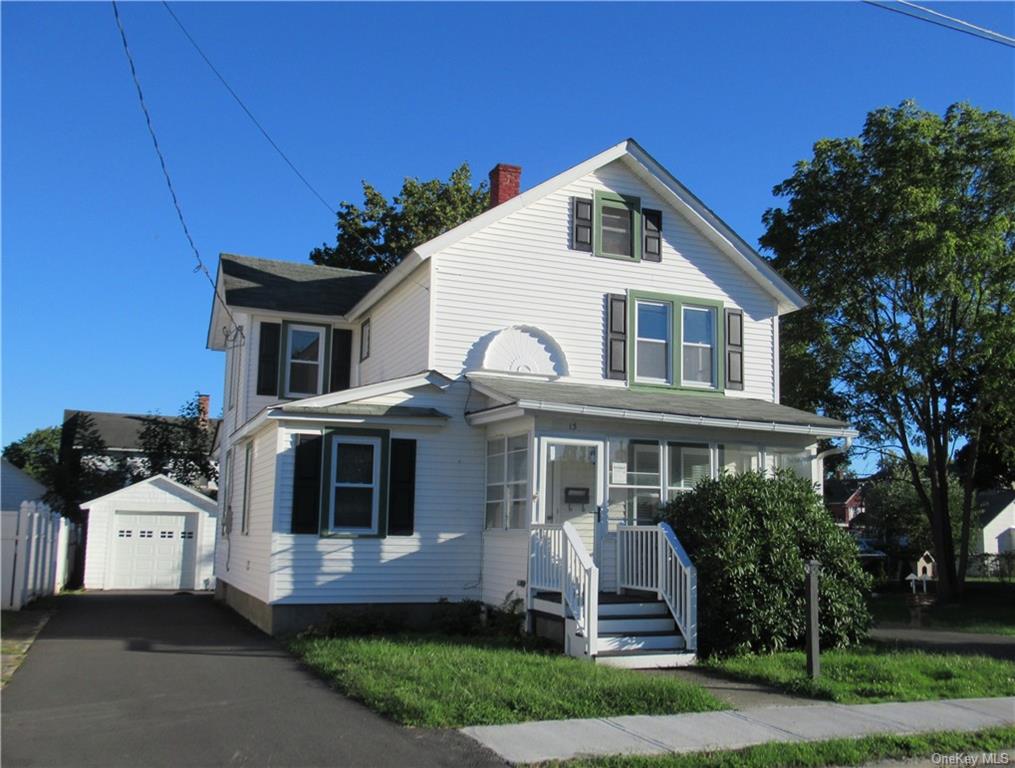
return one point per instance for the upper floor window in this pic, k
(653, 328)
(305, 360)
(364, 340)
(698, 356)
(617, 226)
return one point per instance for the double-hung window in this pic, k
(355, 487)
(688, 464)
(248, 471)
(698, 353)
(304, 365)
(653, 328)
(507, 482)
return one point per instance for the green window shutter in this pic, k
(307, 484)
(402, 488)
(581, 224)
(652, 240)
(734, 338)
(268, 359)
(341, 358)
(616, 336)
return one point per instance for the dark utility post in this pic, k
(813, 650)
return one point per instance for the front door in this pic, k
(573, 487)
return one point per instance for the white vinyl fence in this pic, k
(38, 547)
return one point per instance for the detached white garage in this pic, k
(156, 534)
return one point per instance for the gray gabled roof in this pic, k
(621, 402)
(122, 431)
(993, 503)
(289, 286)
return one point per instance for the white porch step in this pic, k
(647, 660)
(634, 625)
(640, 642)
(648, 608)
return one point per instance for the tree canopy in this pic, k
(179, 448)
(376, 236)
(902, 240)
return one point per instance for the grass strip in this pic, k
(815, 754)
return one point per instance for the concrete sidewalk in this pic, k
(694, 732)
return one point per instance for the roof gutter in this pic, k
(505, 411)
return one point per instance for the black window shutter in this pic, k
(581, 224)
(307, 484)
(616, 336)
(734, 349)
(652, 233)
(402, 488)
(341, 358)
(267, 359)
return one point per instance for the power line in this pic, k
(906, 9)
(165, 172)
(271, 141)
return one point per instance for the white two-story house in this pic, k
(503, 413)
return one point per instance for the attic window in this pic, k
(617, 226)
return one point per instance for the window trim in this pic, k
(324, 358)
(248, 471)
(380, 522)
(507, 500)
(633, 205)
(364, 340)
(677, 303)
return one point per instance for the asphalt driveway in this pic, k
(150, 679)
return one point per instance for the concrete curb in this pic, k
(660, 734)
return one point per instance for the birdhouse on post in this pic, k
(926, 567)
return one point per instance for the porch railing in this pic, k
(559, 562)
(651, 558)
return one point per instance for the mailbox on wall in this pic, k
(576, 495)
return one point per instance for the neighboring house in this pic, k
(17, 486)
(121, 433)
(155, 534)
(844, 499)
(504, 412)
(997, 516)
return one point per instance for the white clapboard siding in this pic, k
(521, 270)
(242, 559)
(399, 331)
(442, 559)
(505, 561)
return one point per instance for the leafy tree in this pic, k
(902, 239)
(37, 453)
(69, 461)
(377, 236)
(179, 448)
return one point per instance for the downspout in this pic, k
(847, 443)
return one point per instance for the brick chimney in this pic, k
(203, 403)
(505, 182)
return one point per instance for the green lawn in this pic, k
(448, 682)
(817, 754)
(876, 673)
(986, 607)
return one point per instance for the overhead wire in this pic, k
(237, 330)
(907, 8)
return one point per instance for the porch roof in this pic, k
(623, 403)
(363, 409)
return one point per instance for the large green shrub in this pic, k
(749, 536)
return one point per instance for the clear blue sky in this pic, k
(101, 309)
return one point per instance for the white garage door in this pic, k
(154, 551)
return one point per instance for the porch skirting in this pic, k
(286, 619)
